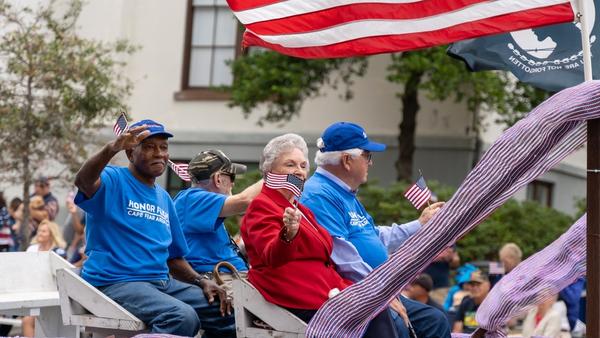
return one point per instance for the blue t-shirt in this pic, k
(209, 242)
(131, 230)
(341, 213)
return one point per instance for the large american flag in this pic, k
(418, 193)
(343, 28)
(534, 145)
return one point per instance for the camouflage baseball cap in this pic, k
(203, 165)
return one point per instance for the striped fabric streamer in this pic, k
(531, 147)
(289, 182)
(534, 280)
(343, 28)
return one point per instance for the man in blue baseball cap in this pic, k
(343, 162)
(135, 242)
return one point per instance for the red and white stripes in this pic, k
(418, 193)
(343, 28)
(283, 181)
(180, 169)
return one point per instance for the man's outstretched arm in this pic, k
(87, 179)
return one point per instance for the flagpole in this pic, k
(585, 40)
(593, 193)
(420, 173)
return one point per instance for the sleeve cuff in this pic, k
(412, 227)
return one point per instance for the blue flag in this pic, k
(548, 57)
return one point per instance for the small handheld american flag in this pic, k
(121, 124)
(418, 194)
(289, 182)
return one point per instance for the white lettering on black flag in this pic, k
(547, 57)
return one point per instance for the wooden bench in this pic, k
(85, 306)
(249, 305)
(28, 288)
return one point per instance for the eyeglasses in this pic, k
(368, 155)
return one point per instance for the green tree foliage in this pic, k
(283, 83)
(529, 224)
(433, 73)
(56, 88)
(388, 205)
(580, 206)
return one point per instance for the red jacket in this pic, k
(295, 275)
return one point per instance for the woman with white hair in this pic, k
(289, 252)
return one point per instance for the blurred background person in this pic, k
(510, 255)
(479, 287)
(37, 213)
(48, 238)
(6, 240)
(74, 231)
(574, 303)
(14, 205)
(459, 291)
(41, 186)
(544, 320)
(419, 290)
(439, 271)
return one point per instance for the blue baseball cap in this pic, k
(154, 127)
(346, 135)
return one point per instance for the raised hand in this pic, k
(130, 138)
(291, 220)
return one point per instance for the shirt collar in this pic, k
(335, 179)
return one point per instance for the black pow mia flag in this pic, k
(549, 57)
